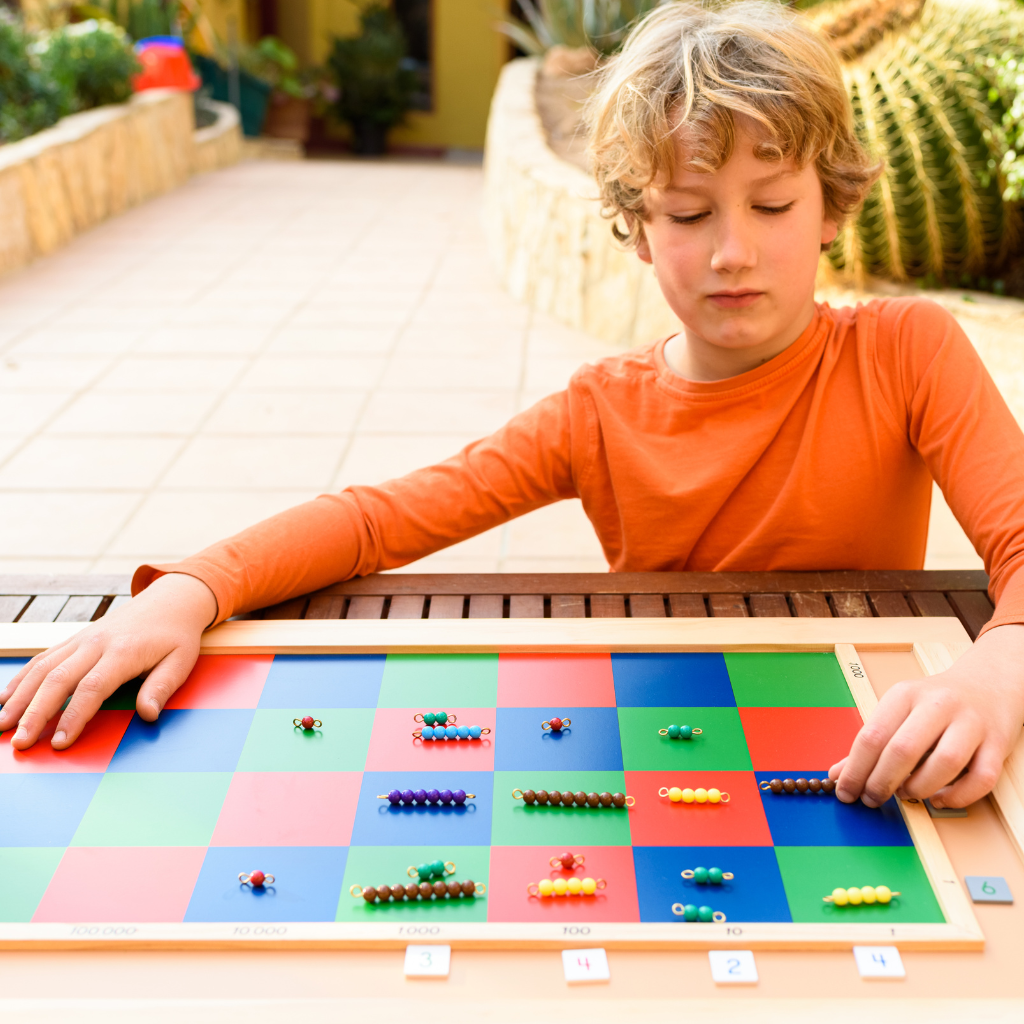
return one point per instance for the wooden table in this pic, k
(501, 986)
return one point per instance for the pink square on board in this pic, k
(288, 809)
(91, 752)
(122, 883)
(393, 748)
(540, 680)
(223, 681)
(513, 868)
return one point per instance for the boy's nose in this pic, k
(734, 249)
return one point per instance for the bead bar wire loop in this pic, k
(566, 887)
(790, 786)
(255, 878)
(568, 861)
(703, 876)
(556, 724)
(567, 799)
(692, 913)
(690, 796)
(680, 732)
(307, 723)
(856, 895)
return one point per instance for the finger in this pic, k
(161, 683)
(98, 683)
(912, 740)
(51, 694)
(34, 673)
(16, 680)
(836, 769)
(951, 755)
(890, 714)
(983, 774)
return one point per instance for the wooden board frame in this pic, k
(936, 641)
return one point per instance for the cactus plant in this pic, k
(599, 24)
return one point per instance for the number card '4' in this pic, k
(428, 961)
(879, 962)
(585, 965)
(733, 967)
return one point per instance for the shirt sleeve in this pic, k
(970, 441)
(523, 466)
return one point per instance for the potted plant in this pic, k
(289, 108)
(375, 83)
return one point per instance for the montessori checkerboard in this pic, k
(141, 822)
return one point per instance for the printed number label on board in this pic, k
(585, 965)
(732, 966)
(879, 962)
(428, 961)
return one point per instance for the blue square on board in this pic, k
(810, 819)
(672, 680)
(306, 887)
(192, 740)
(323, 681)
(9, 668)
(378, 823)
(755, 894)
(589, 744)
(44, 809)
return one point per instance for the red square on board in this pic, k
(799, 739)
(539, 680)
(223, 681)
(122, 883)
(656, 821)
(513, 868)
(288, 809)
(91, 752)
(393, 748)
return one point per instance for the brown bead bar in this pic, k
(425, 891)
(568, 799)
(826, 786)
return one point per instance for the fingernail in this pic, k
(60, 737)
(937, 804)
(155, 705)
(3, 717)
(21, 734)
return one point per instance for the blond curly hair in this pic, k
(687, 70)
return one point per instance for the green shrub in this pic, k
(94, 60)
(30, 100)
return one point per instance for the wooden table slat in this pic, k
(926, 602)
(326, 607)
(889, 604)
(11, 606)
(526, 606)
(80, 609)
(646, 606)
(974, 609)
(293, 609)
(365, 607)
(850, 605)
(447, 606)
(687, 606)
(810, 606)
(44, 608)
(607, 606)
(407, 606)
(769, 606)
(487, 606)
(568, 606)
(730, 606)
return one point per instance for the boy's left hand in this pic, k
(925, 732)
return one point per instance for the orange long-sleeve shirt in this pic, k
(822, 458)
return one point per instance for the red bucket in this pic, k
(165, 65)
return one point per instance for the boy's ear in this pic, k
(643, 250)
(829, 230)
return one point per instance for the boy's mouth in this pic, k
(738, 299)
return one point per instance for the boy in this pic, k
(770, 433)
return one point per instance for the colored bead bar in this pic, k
(826, 786)
(450, 732)
(423, 891)
(855, 896)
(256, 879)
(406, 797)
(567, 799)
(691, 912)
(556, 724)
(435, 869)
(566, 887)
(568, 861)
(435, 718)
(307, 723)
(708, 876)
(689, 796)
(680, 732)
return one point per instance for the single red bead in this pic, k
(307, 722)
(257, 878)
(568, 861)
(556, 725)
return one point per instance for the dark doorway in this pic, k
(416, 17)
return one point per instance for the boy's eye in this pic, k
(692, 218)
(774, 209)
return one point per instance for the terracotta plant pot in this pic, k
(287, 118)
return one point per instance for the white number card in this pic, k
(732, 967)
(585, 965)
(879, 962)
(428, 961)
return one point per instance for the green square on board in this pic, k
(274, 744)
(439, 681)
(154, 809)
(513, 823)
(800, 680)
(811, 872)
(387, 865)
(28, 870)
(720, 747)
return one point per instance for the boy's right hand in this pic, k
(157, 633)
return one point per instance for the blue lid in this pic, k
(160, 41)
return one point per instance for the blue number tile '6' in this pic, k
(191, 740)
(672, 680)
(45, 809)
(809, 819)
(378, 823)
(324, 681)
(589, 744)
(307, 883)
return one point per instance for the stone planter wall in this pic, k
(93, 165)
(549, 242)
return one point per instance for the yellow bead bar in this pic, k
(855, 896)
(689, 796)
(566, 887)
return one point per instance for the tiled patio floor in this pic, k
(262, 335)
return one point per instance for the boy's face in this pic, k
(736, 253)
